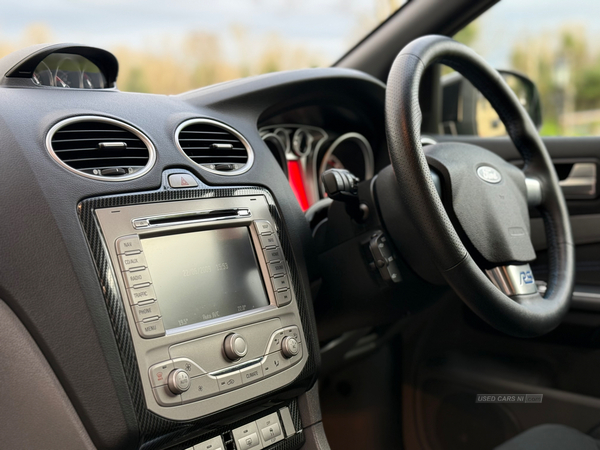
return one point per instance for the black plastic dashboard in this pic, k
(50, 276)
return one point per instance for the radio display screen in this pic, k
(204, 275)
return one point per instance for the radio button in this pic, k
(276, 268)
(293, 332)
(263, 227)
(151, 329)
(268, 241)
(129, 245)
(273, 254)
(280, 283)
(160, 372)
(131, 262)
(191, 368)
(215, 443)
(251, 373)
(140, 277)
(141, 294)
(229, 381)
(283, 297)
(246, 437)
(270, 430)
(274, 363)
(141, 312)
(275, 343)
(165, 397)
(200, 387)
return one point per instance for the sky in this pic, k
(327, 26)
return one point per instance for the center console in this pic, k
(208, 298)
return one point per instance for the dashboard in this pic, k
(156, 249)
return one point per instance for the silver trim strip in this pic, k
(240, 215)
(151, 150)
(534, 191)
(233, 131)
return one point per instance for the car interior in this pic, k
(323, 258)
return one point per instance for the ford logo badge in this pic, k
(489, 174)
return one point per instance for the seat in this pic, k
(551, 437)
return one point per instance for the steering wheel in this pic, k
(477, 230)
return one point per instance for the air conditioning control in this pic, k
(289, 347)
(235, 347)
(178, 381)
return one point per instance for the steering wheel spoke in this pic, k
(513, 280)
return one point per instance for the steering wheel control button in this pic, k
(160, 372)
(273, 363)
(489, 174)
(215, 443)
(290, 347)
(129, 245)
(513, 280)
(138, 278)
(142, 294)
(182, 180)
(251, 373)
(263, 227)
(165, 397)
(246, 437)
(190, 367)
(132, 262)
(200, 387)
(151, 328)
(276, 268)
(229, 381)
(273, 254)
(235, 347)
(283, 297)
(280, 283)
(146, 311)
(178, 381)
(383, 258)
(268, 241)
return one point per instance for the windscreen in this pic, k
(204, 275)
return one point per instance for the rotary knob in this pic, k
(178, 381)
(235, 347)
(289, 347)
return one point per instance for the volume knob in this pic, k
(178, 381)
(235, 347)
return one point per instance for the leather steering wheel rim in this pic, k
(525, 318)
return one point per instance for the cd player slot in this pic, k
(192, 217)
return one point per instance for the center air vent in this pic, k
(101, 148)
(214, 146)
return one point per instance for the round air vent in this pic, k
(101, 148)
(214, 146)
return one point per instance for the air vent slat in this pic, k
(214, 146)
(77, 144)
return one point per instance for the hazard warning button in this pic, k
(182, 180)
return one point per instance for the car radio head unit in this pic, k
(209, 300)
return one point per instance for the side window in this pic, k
(547, 52)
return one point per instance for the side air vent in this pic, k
(214, 146)
(101, 148)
